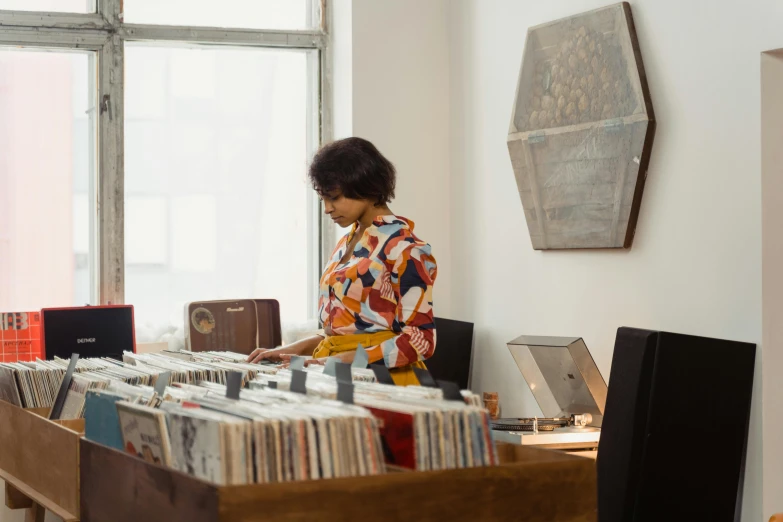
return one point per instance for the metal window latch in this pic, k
(106, 105)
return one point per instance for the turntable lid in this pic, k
(562, 375)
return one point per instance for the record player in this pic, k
(569, 389)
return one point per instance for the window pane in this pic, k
(58, 6)
(47, 165)
(247, 14)
(216, 195)
(145, 241)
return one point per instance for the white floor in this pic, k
(7, 515)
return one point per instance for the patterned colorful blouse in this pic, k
(385, 285)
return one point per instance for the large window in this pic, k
(47, 175)
(216, 204)
(151, 158)
(57, 6)
(252, 14)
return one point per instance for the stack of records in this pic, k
(29, 385)
(292, 440)
(268, 436)
(216, 417)
(420, 429)
(198, 367)
(35, 384)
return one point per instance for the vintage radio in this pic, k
(232, 325)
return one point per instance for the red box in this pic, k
(20, 336)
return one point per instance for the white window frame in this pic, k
(105, 33)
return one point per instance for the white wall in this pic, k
(398, 63)
(772, 260)
(341, 30)
(695, 263)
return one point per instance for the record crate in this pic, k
(39, 461)
(531, 484)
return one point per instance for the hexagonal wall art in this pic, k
(582, 130)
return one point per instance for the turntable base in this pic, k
(568, 438)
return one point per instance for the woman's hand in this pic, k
(308, 362)
(302, 347)
(343, 357)
(267, 354)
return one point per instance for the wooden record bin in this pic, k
(39, 461)
(534, 485)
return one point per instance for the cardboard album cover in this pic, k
(20, 336)
(398, 433)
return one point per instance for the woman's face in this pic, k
(344, 211)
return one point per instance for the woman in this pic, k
(376, 289)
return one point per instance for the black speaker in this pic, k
(675, 428)
(453, 351)
(90, 331)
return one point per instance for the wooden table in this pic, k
(39, 462)
(532, 484)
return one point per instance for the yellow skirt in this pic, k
(332, 345)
